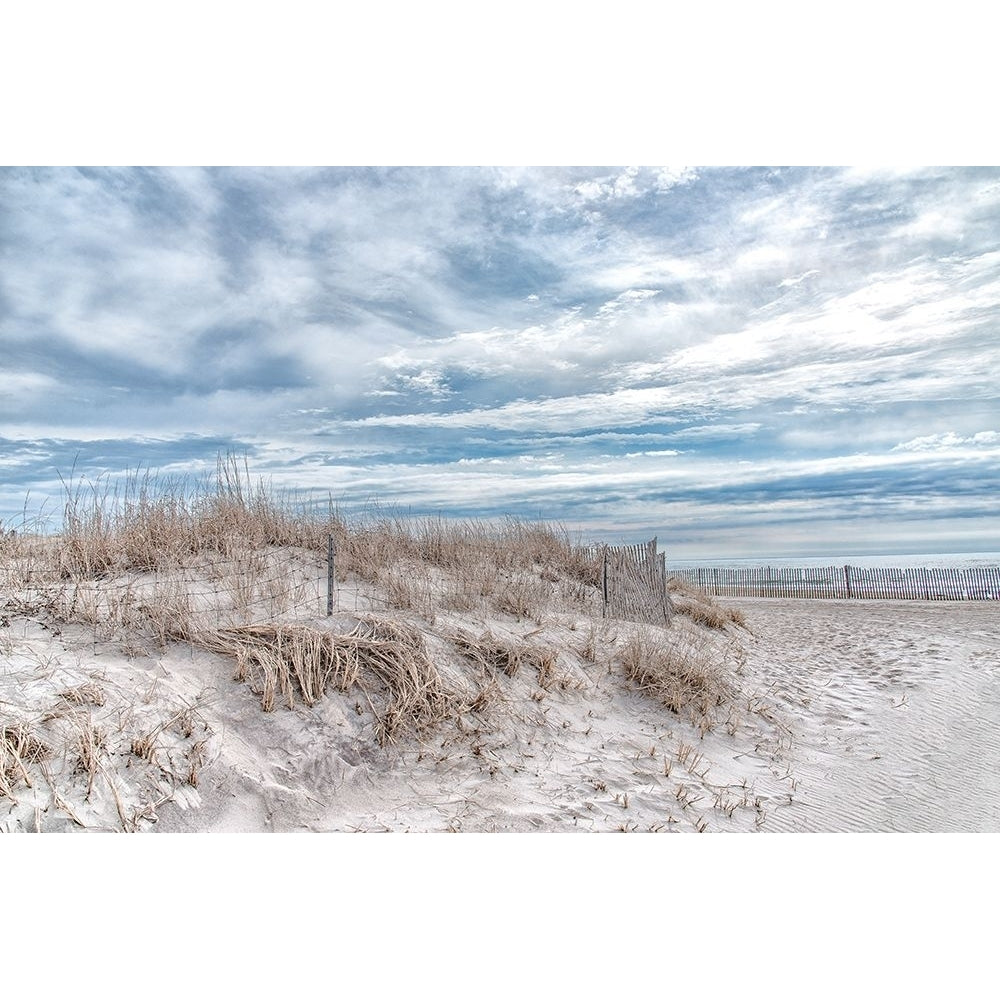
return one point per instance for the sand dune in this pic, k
(846, 716)
(172, 670)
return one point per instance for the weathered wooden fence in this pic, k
(867, 583)
(634, 583)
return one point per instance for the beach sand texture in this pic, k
(895, 710)
(814, 715)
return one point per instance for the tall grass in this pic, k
(142, 523)
(148, 559)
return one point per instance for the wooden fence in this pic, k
(871, 583)
(634, 583)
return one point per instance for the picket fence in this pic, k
(848, 582)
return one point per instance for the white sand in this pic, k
(853, 716)
(895, 710)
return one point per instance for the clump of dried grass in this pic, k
(382, 658)
(711, 615)
(680, 671)
(701, 607)
(19, 747)
(495, 655)
(84, 694)
(90, 746)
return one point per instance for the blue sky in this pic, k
(743, 361)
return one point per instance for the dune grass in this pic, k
(126, 544)
(385, 660)
(227, 565)
(701, 607)
(681, 671)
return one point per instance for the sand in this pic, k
(846, 716)
(895, 711)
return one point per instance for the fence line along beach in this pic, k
(977, 583)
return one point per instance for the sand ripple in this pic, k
(895, 710)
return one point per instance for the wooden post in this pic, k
(329, 575)
(604, 582)
(847, 580)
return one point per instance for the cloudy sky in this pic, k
(744, 362)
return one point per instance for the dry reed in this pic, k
(494, 655)
(380, 657)
(701, 607)
(680, 671)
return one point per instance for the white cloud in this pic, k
(667, 452)
(669, 177)
(950, 441)
(21, 388)
(791, 282)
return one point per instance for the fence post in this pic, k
(668, 604)
(604, 582)
(329, 575)
(847, 580)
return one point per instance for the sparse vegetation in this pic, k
(229, 568)
(701, 607)
(680, 670)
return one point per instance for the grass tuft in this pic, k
(680, 671)
(383, 658)
(701, 607)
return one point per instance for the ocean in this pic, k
(933, 560)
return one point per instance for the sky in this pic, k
(742, 361)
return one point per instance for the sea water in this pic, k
(933, 560)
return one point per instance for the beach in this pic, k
(886, 718)
(793, 716)
(895, 710)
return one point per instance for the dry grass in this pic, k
(69, 754)
(19, 748)
(385, 660)
(680, 671)
(89, 745)
(711, 615)
(701, 607)
(84, 694)
(431, 564)
(130, 548)
(494, 655)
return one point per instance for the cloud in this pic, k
(798, 279)
(950, 441)
(609, 342)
